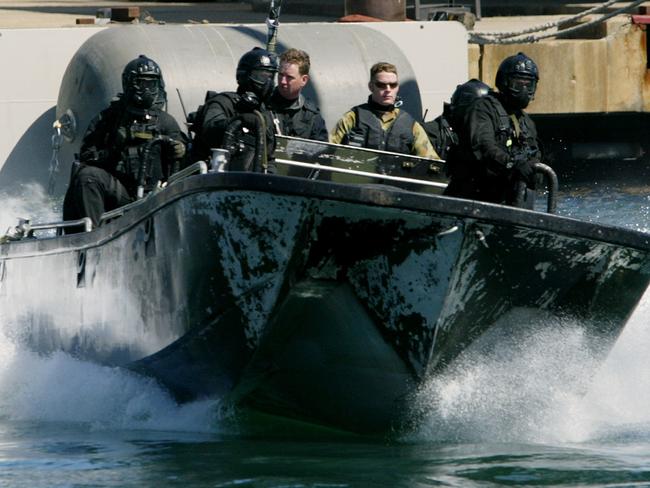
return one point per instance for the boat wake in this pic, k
(28, 201)
(59, 388)
(543, 386)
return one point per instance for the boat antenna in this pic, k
(180, 98)
(57, 140)
(273, 22)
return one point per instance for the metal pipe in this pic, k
(551, 184)
(200, 167)
(355, 172)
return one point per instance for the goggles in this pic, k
(146, 84)
(262, 75)
(522, 84)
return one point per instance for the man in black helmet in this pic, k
(498, 140)
(441, 130)
(240, 121)
(129, 147)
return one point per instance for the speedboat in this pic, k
(309, 297)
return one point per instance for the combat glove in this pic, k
(524, 170)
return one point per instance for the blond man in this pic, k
(379, 123)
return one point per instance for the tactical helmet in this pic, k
(256, 72)
(463, 97)
(517, 79)
(142, 82)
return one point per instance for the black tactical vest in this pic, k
(368, 132)
(524, 139)
(297, 122)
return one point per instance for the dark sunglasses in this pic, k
(383, 86)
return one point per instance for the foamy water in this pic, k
(28, 201)
(60, 388)
(544, 387)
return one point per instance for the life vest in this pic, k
(368, 131)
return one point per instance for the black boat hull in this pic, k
(313, 300)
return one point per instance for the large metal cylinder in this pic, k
(197, 58)
(392, 10)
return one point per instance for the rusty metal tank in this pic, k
(391, 10)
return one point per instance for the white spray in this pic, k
(543, 386)
(60, 388)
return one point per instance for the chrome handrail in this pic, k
(200, 167)
(355, 172)
(25, 229)
(85, 222)
(118, 212)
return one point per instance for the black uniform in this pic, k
(240, 122)
(298, 118)
(123, 148)
(441, 134)
(492, 143)
(234, 112)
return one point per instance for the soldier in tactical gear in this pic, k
(380, 123)
(131, 144)
(441, 130)
(498, 140)
(296, 115)
(240, 121)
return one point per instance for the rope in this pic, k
(509, 37)
(549, 25)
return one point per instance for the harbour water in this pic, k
(525, 414)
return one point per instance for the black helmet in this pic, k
(517, 79)
(256, 72)
(142, 82)
(463, 97)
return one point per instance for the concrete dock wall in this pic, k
(603, 75)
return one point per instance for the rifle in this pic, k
(273, 22)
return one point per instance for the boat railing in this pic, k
(199, 167)
(546, 171)
(551, 186)
(25, 229)
(355, 172)
(84, 222)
